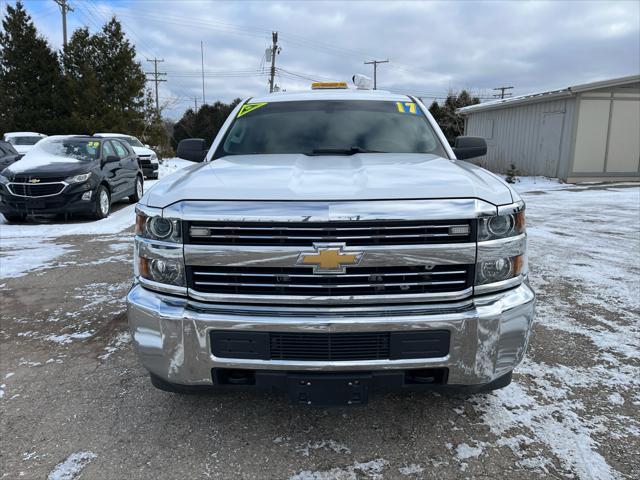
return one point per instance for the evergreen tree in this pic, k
(83, 91)
(451, 123)
(30, 77)
(104, 83)
(205, 123)
(122, 78)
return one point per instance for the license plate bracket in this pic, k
(329, 389)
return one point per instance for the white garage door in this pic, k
(608, 135)
(624, 137)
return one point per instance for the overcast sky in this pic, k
(432, 47)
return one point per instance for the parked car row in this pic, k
(148, 158)
(23, 141)
(71, 174)
(8, 155)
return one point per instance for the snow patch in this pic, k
(18, 256)
(616, 399)
(122, 339)
(68, 337)
(412, 469)
(465, 451)
(324, 445)
(556, 425)
(371, 470)
(72, 466)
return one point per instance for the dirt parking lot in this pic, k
(76, 404)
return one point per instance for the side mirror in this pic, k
(147, 145)
(111, 159)
(469, 147)
(192, 149)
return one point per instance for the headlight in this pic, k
(3, 179)
(161, 270)
(494, 271)
(158, 228)
(501, 226)
(78, 178)
(153, 157)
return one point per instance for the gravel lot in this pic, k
(75, 403)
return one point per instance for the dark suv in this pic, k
(70, 174)
(8, 155)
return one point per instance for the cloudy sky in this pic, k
(432, 47)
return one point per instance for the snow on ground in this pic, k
(584, 243)
(31, 244)
(370, 470)
(72, 466)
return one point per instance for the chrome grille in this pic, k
(351, 233)
(369, 281)
(36, 189)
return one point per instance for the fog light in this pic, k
(87, 195)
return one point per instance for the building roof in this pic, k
(550, 94)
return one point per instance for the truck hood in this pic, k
(365, 176)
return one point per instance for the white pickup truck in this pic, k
(330, 244)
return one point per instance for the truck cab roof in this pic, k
(332, 94)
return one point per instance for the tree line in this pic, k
(94, 84)
(451, 123)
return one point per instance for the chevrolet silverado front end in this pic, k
(331, 245)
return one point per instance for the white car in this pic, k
(23, 141)
(148, 158)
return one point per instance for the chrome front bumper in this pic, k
(489, 334)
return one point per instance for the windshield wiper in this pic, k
(341, 151)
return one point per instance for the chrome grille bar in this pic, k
(390, 232)
(300, 282)
(333, 285)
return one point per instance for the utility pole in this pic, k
(275, 50)
(156, 79)
(501, 95)
(202, 60)
(64, 8)
(195, 103)
(375, 70)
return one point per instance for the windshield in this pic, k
(76, 148)
(133, 141)
(330, 127)
(24, 140)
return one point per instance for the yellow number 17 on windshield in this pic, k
(406, 107)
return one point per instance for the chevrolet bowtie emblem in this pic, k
(329, 258)
(34, 180)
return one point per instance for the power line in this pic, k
(156, 79)
(202, 59)
(275, 50)
(501, 95)
(64, 8)
(375, 70)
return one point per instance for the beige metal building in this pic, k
(580, 133)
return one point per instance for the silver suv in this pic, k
(330, 244)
